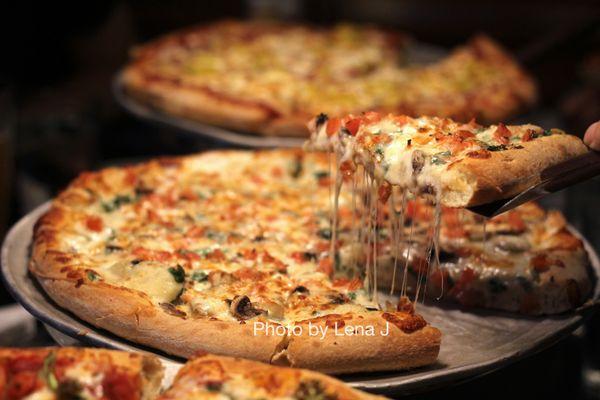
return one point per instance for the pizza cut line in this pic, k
(269, 78)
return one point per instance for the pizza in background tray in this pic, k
(226, 252)
(77, 373)
(269, 78)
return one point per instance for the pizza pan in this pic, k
(416, 53)
(474, 342)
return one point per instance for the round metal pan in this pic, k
(474, 341)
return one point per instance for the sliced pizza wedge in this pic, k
(461, 165)
(217, 377)
(77, 373)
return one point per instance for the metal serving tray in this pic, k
(474, 341)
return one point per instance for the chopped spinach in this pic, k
(321, 119)
(296, 168)
(92, 276)
(116, 203)
(199, 276)
(178, 273)
(499, 147)
(440, 158)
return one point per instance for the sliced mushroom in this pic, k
(242, 308)
(418, 161)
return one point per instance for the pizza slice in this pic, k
(77, 373)
(525, 260)
(217, 377)
(457, 164)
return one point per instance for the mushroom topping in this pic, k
(418, 161)
(241, 307)
(300, 289)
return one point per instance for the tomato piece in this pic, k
(482, 154)
(22, 384)
(94, 224)
(384, 192)
(502, 134)
(353, 126)
(326, 266)
(120, 386)
(333, 126)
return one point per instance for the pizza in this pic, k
(218, 377)
(77, 373)
(525, 261)
(55, 373)
(227, 252)
(457, 164)
(269, 78)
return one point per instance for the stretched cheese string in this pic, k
(334, 218)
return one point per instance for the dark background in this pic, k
(58, 116)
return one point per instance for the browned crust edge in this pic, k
(510, 172)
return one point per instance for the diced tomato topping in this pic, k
(120, 386)
(353, 126)
(32, 362)
(152, 255)
(195, 232)
(299, 256)
(419, 265)
(540, 263)
(94, 224)
(515, 221)
(216, 255)
(326, 266)
(482, 153)
(528, 135)
(464, 134)
(22, 384)
(333, 126)
(384, 192)
(249, 254)
(371, 117)
(502, 134)
(401, 119)
(347, 168)
(439, 278)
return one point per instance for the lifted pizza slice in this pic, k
(461, 165)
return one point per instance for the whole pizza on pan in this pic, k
(269, 78)
(226, 252)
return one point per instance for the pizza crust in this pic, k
(338, 352)
(506, 173)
